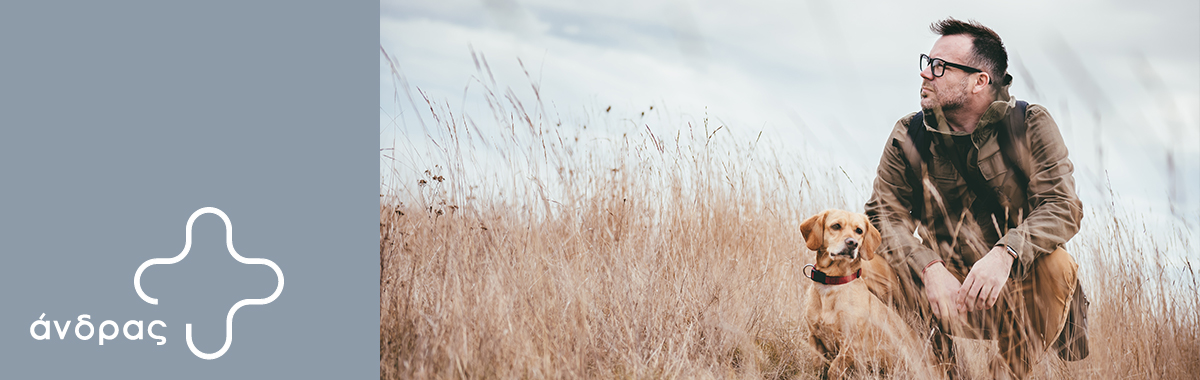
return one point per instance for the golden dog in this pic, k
(848, 324)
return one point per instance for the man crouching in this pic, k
(985, 182)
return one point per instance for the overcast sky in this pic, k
(1121, 78)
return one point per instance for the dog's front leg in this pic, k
(840, 366)
(818, 344)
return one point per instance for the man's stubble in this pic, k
(948, 99)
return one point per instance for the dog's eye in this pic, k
(858, 231)
(836, 226)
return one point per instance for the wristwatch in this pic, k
(1016, 260)
(1012, 252)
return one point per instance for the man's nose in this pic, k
(850, 242)
(927, 73)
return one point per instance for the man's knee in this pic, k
(1050, 288)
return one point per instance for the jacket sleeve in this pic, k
(1055, 209)
(890, 204)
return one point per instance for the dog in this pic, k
(847, 322)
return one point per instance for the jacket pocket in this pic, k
(1002, 180)
(994, 169)
(943, 170)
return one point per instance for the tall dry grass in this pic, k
(629, 254)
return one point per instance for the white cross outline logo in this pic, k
(187, 246)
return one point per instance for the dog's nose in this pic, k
(850, 242)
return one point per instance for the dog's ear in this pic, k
(871, 241)
(813, 230)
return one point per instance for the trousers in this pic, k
(1027, 318)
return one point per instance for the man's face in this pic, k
(951, 89)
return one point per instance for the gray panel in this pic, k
(120, 119)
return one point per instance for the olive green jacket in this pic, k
(1040, 218)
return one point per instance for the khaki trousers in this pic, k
(1027, 318)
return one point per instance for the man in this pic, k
(985, 183)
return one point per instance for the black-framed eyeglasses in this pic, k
(939, 67)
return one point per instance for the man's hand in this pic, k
(941, 288)
(985, 281)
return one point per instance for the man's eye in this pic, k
(858, 231)
(836, 226)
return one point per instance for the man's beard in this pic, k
(949, 101)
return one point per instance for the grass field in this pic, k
(674, 256)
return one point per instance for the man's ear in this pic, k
(813, 230)
(871, 241)
(981, 82)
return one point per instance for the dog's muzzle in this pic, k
(849, 248)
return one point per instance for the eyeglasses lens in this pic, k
(939, 66)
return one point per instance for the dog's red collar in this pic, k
(820, 277)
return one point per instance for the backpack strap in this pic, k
(918, 154)
(1014, 144)
(919, 136)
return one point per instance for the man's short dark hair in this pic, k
(987, 51)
